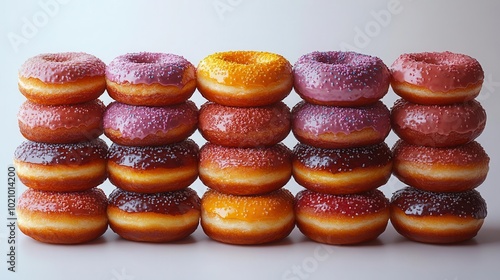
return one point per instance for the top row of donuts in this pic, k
(250, 78)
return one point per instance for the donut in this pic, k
(131, 125)
(342, 171)
(153, 169)
(436, 78)
(62, 78)
(244, 78)
(155, 217)
(150, 79)
(340, 127)
(454, 169)
(434, 217)
(247, 220)
(245, 171)
(61, 123)
(438, 125)
(61, 167)
(62, 217)
(341, 219)
(339, 78)
(244, 127)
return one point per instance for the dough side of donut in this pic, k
(365, 137)
(435, 229)
(61, 228)
(82, 90)
(422, 95)
(152, 180)
(152, 227)
(338, 229)
(355, 181)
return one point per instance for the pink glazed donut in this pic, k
(438, 125)
(62, 78)
(150, 79)
(340, 78)
(340, 127)
(130, 125)
(436, 78)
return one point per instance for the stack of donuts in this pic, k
(64, 161)
(342, 158)
(151, 161)
(243, 163)
(437, 121)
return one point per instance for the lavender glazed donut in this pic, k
(435, 78)
(435, 217)
(438, 125)
(61, 167)
(150, 79)
(244, 126)
(153, 169)
(62, 78)
(130, 125)
(340, 78)
(340, 127)
(61, 123)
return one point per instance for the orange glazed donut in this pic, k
(342, 219)
(61, 123)
(61, 167)
(342, 171)
(153, 169)
(244, 126)
(436, 78)
(453, 169)
(62, 78)
(62, 217)
(131, 125)
(245, 171)
(433, 217)
(157, 217)
(438, 125)
(244, 78)
(150, 79)
(247, 220)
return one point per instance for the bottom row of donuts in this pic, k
(77, 217)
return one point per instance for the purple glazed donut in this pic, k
(130, 125)
(150, 79)
(340, 127)
(340, 78)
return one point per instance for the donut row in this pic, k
(341, 159)
(437, 121)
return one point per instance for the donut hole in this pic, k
(142, 59)
(433, 60)
(57, 58)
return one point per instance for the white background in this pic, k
(194, 29)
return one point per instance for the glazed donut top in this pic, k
(469, 153)
(245, 68)
(172, 203)
(341, 75)
(318, 119)
(68, 154)
(342, 160)
(437, 71)
(350, 205)
(150, 68)
(138, 122)
(82, 203)
(57, 116)
(461, 118)
(172, 155)
(60, 68)
(276, 155)
(416, 202)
